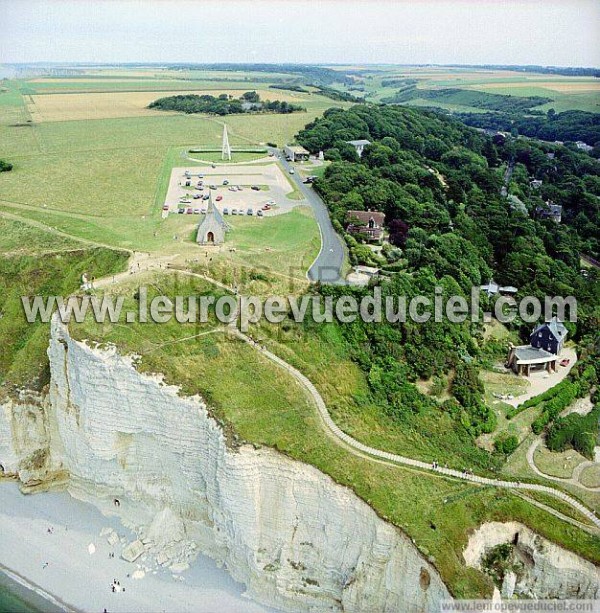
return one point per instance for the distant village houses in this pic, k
(368, 224)
(550, 211)
(583, 146)
(536, 183)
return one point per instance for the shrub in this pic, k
(506, 444)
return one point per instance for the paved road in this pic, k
(327, 268)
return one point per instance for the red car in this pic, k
(189, 211)
(565, 362)
(219, 198)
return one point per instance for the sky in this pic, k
(546, 32)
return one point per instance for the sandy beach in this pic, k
(45, 538)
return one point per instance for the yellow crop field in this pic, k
(111, 105)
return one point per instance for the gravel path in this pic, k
(403, 460)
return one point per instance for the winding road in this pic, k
(328, 265)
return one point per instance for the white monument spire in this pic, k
(226, 150)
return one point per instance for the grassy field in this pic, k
(557, 464)
(104, 179)
(264, 406)
(590, 476)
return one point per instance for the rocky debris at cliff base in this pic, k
(133, 551)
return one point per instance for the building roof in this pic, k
(526, 354)
(361, 142)
(296, 149)
(365, 216)
(367, 270)
(555, 326)
(493, 288)
(213, 222)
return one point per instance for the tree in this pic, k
(251, 96)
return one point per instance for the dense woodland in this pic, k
(439, 183)
(465, 97)
(249, 102)
(570, 126)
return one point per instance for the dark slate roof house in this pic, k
(366, 223)
(549, 336)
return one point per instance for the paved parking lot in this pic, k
(269, 177)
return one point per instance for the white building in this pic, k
(359, 145)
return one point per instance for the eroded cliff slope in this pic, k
(294, 537)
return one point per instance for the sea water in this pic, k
(16, 598)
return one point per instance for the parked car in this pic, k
(225, 211)
(232, 189)
(196, 211)
(271, 154)
(213, 186)
(225, 182)
(292, 171)
(180, 211)
(200, 188)
(201, 176)
(214, 165)
(189, 211)
(266, 207)
(234, 211)
(166, 207)
(239, 188)
(255, 188)
(197, 196)
(271, 202)
(259, 213)
(203, 211)
(250, 212)
(219, 198)
(565, 362)
(205, 197)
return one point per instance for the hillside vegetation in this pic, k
(438, 182)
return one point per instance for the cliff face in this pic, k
(540, 569)
(295, 538)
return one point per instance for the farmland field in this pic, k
(92, 165)
(565, 92)
(103, 105)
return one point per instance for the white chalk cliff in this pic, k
(544, 570)
(294, 537)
